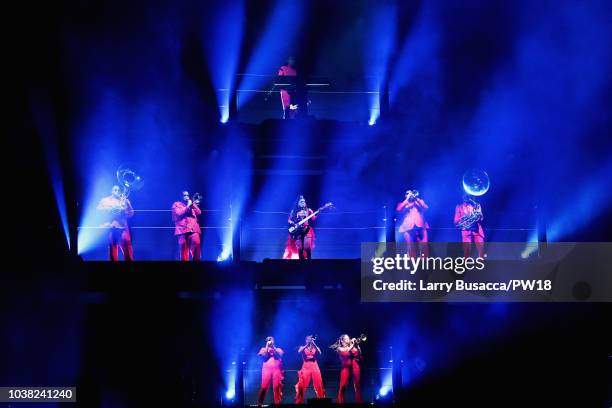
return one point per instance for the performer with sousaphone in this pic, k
(117, 209)
(468, 218)
(468, 214)
(301, 238)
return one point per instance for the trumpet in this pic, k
(355, 342)
(360, 339)
(412, 194)
(197, 197)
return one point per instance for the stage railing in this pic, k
(153, 237)
(263, 234)
(257, 100)
(373, 380)
(338, 234)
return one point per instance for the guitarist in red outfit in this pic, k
(304, 238)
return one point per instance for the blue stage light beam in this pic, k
(272, 48)
(228, 170)
(541, 94)
(232, 374)
(90, 235)
(46, 127)
(231, 322)
(419, 53)
(530, 246)
(282, 186)
(222, 39)
(381, 29)
(386, 384)
(588, 201)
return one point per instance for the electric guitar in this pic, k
(298, 229)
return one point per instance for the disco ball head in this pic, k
(476, 182)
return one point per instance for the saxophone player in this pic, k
(468, 217)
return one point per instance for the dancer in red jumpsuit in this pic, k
(471, 231)
(117, 209)
(185, 216)
(271, 371)
(414, 226)
(310, 370)
(305, 242)
(289, 112)
(349, 352)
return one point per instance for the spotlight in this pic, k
(230, 394)
(372, 122)
(531, 246)
(384, 393)
(223, 256)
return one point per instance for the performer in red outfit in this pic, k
(305, 243)
(414, 226)
(350, 353)
(310, 370)
(271, 371)
(289, 111)
(468, 217)
(117, 209)
(185, 216)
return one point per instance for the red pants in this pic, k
(275, 376)
(345, 373)
(120, 237)
(288, 113)
(189, 242)
(417, 237)
(310, 370)
(472, 236)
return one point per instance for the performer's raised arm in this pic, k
(129, 211)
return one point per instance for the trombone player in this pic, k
(186, 227)
(117, 209)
